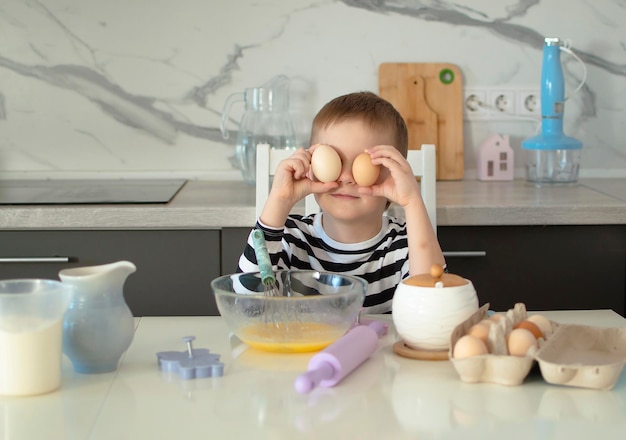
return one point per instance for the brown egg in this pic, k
(480, 330)
(520, 341)
(325, 163)
(468, 346)
(364, 172)
(531, 327)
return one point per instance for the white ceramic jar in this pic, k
(426, 308)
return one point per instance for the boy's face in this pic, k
(350, 138)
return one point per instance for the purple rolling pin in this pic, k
(331, 365)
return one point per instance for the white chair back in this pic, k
(423, 163)
(267, 160)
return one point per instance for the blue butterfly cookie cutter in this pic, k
(192, 363)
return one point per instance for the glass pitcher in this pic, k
(266, 120)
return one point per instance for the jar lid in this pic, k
(436, 276)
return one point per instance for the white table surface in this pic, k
(386, 397)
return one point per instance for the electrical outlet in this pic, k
(528, 102)
(475, 103)
(501, 103)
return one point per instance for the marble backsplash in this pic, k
(92, 88)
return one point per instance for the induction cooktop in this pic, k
(87, 191)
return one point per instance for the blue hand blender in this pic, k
(552, 157)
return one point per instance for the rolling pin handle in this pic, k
(306, 382)
(331, 365)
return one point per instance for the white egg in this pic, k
(468, 346)
(520, 341)
(480, 330)
(325, 163)
(543, 323)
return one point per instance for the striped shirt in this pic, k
(303, 244)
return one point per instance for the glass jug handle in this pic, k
(226, 110)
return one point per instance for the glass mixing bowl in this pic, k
(310, 310)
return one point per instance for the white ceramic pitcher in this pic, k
(98, 326)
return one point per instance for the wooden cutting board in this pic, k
(430, 98)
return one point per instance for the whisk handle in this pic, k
(262, 257)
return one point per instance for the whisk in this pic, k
(265, 265)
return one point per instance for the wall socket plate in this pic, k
(493, 103)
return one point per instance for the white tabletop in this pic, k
(386, 397)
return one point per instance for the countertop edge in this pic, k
(216, 205)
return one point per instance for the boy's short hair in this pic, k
(368, 107)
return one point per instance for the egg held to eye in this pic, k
(325, 164)
(365, 173)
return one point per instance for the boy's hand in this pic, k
(293, 179)
(399, 184)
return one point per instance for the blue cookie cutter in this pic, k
(191, 363)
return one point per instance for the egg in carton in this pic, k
(498, 365)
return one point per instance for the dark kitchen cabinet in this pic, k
(234, 240)
(545, 267)
(174, 267)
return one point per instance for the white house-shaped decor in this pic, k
(495, 159)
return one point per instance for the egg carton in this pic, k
(583, 356)
(497, 366)
(573, 355)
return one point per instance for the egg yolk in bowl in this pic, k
(290, 336)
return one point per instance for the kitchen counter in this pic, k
(388, 396)
(217, 204)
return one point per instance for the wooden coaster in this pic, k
(425, 355)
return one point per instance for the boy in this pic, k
(351, 234)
